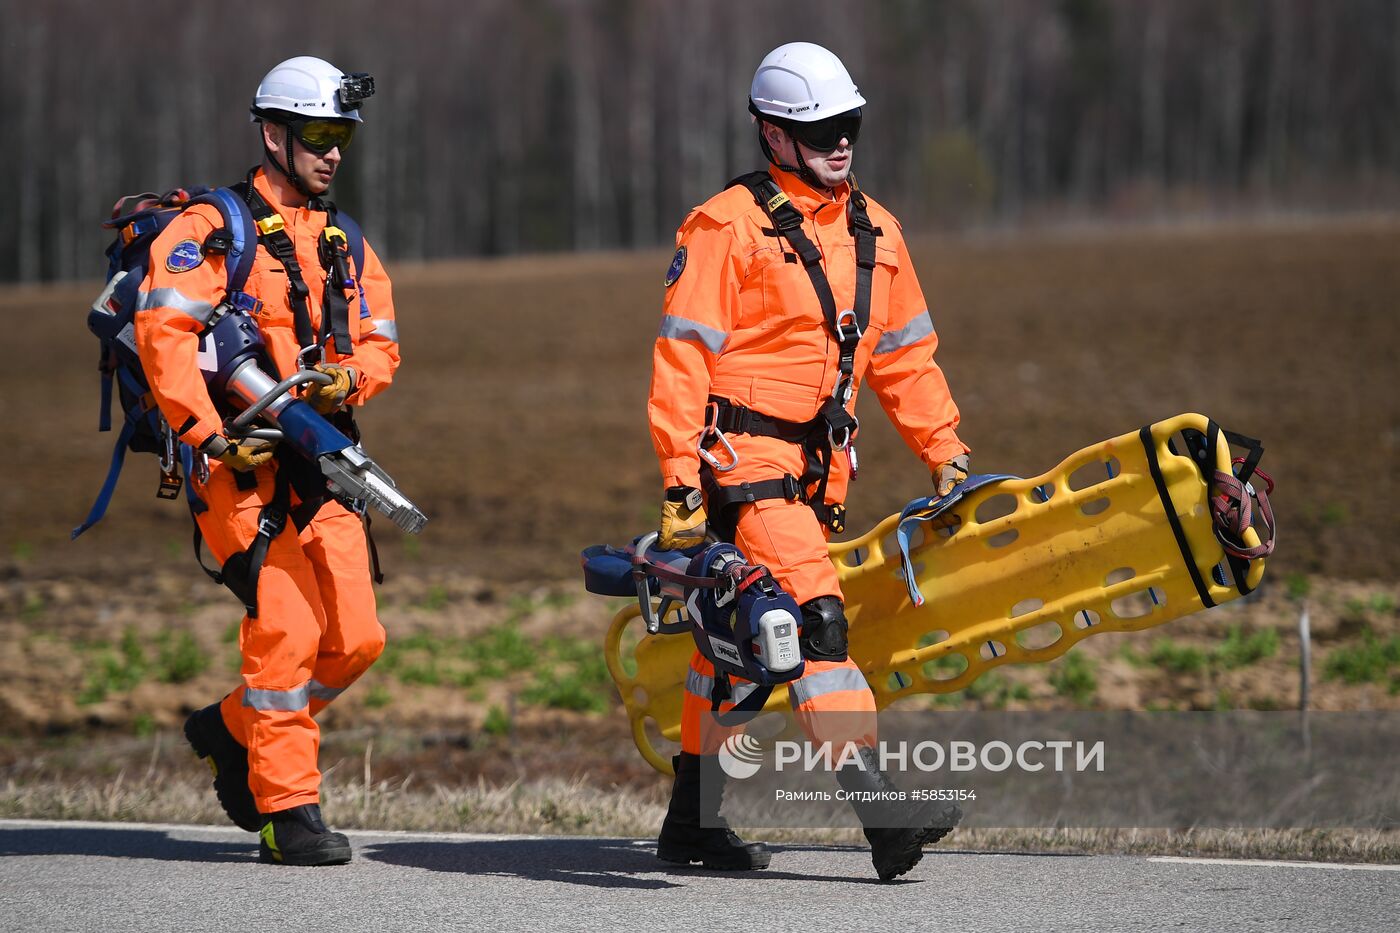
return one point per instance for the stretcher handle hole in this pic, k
(1038, 637)
(998, 506)
(945, 667)
(991, 650)
(1094, 472)
(1002, 539)
(1119, 575)
(1095, 506)
(1026, 606)
(1139, 604)
(1086, 618)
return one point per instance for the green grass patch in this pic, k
(378, 697)
(1073, 677)
(1372, 661)
(1178, 659)
(114, 671)
(572, 691)
(179, 659)
(436, 599)
(1237, 650)
(1297, 585)
(993, 691)
(497, 722)
(1241, 650)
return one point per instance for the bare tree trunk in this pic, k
(31, 175)
(1154, 93)
(586, 146)
(641, 128)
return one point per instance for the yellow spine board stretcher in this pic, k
(1016, 573)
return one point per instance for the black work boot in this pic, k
(210, 738)
(685, 840)
(897, 832)
(298, 837)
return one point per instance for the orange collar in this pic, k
(290, 215)
(806, 198)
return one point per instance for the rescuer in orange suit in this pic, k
(315, 629)
(787, 290)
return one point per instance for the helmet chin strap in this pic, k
(801, 171)
(289, 170)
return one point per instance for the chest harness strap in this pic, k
(834, 428)
(333, 251)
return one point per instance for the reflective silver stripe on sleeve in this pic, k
(837, 680)
(698, 684)
(285, 701)
(384, 329)
(679, 328)
(320, 691)
(172, 298)
(906, 336)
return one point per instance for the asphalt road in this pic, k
(69, 876)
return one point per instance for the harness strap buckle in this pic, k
(270, 224)
(271, 522)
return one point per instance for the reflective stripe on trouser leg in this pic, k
(334, 542)
(833, 703)
(700, 736)
(787, 539)
(270, 713)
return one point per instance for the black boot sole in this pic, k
(913, 852)
(739, 862)
(238, 805)
(333, 855)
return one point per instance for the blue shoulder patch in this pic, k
(186, 255)
(677, 267)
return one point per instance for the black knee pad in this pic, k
(824, 629)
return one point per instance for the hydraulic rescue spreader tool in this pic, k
(231, 358)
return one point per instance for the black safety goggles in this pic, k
(825, 135)
(321, 136)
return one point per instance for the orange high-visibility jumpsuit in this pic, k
(744, 323)
(316, 629)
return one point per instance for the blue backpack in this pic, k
(139, 220)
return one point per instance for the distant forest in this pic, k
(506, 126)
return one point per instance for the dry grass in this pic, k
(576, 807)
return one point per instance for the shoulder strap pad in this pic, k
(238, 220)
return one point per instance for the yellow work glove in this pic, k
(949, 474)
(682, 519)
(328, 398)
(243, 455)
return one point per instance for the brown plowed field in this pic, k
(518, 419)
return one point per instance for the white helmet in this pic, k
(311, 87)
(802, 82)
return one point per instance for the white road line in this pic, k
(1271, 863)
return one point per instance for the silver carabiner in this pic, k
(712, 430)
(304, 352)
(167, 456)
(844, 318)
(847, 435)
